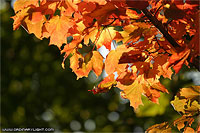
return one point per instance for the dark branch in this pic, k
(169, 38)
(160, 26)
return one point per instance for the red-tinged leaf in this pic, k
(126, 78)
(139, 4)
(188, 5)
(133, 92)
(142, 68)
(159, 65)
(178, 59)
(97, 63)
(131, 57)
(58, 27)
(105, 85)
(164, 71)
(174, 13)
(86, 7)
(198, 129)
(152, 88)
(68, 7)
(133, 32)
(49, 7)
(105, 38)
(37, 16)
(107, 10)
(152, 94)
(21, 4)
(100, 2)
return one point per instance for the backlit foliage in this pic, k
(151, 39)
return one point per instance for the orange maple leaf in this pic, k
(105, 85)
(21, 4)
(132, 92)
(178, 59)
(101, 36)
(83, 65)
(112, 59)
(139, 4)
(57, 27)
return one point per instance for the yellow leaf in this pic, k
(97, 62)
(179, 104)
(132, 92)
(191, 92)
(188, 130)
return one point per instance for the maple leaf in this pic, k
(160, 67)
(21, 4)
(105, 85)
(137, 4)
(101, 37)
(186, 106)
(133, 92)
(159, 128)
(83, 65)
(49, 7)
(189, 130)
(86, 7)
(112, 59)
(132, 56)
(97, 63)
(190, 92)
(19, 17)
(100, 2)
(80, 65)
(34, 27)
(133, 32)
(179, 104)
(126, 78)
(69, 48)
(138, 64)
(174, 13)
(107, 10)
(57, 27)
(68, 7)
(180, 122)
(178, 59)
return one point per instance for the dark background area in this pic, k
(37, 92)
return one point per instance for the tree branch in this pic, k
(160, 26)
(169, 38)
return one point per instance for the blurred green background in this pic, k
(37, 92)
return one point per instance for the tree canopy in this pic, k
(147, 41)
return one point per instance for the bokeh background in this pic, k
(37, 92)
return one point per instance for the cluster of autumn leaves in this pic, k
(141, 55)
